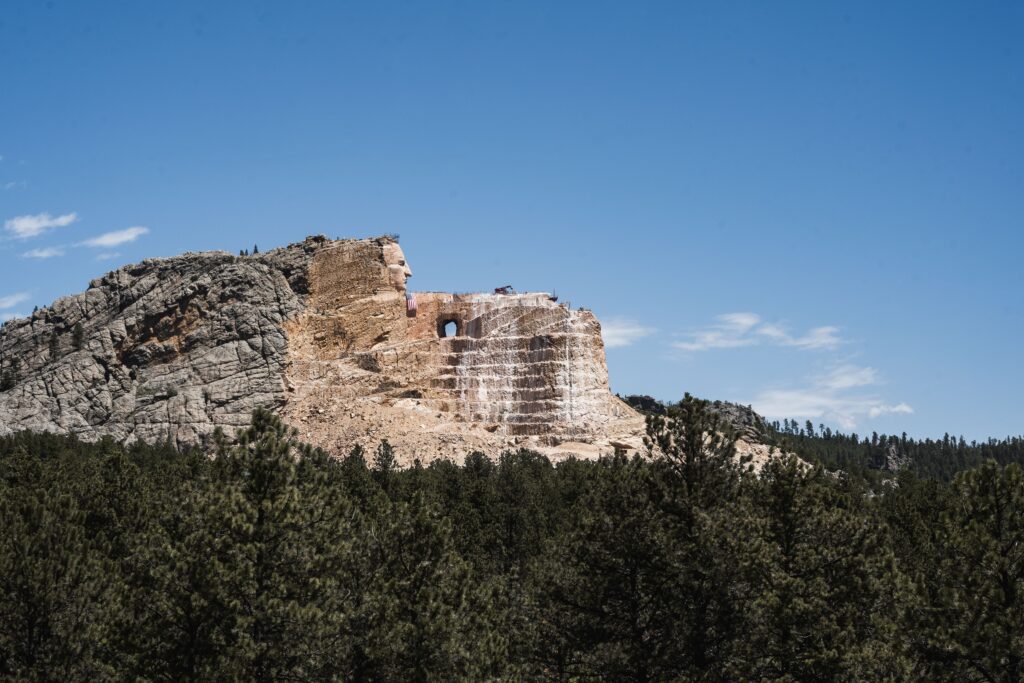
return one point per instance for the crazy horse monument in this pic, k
(327, 334)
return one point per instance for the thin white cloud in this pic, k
(619, 332)
(883, 409)
(849, 376)
(732, 330)
(15, 184)
(736, 330)
(44, 253)
(838, 396)
(23, 227)
(115, 238)
(4, 317)
(107, 255)
(12, 300)
(818, 338)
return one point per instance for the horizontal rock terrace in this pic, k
(523, 362)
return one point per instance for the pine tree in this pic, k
(821, 573)
(700, 491)
(248, 568)
(969, 615)
(414, 614)
(78, 337)
(54, 346)
(11, 375)
(602, 586)
(183, 576)
(384, 465)
(357, 478)
(289, 527)
(57, 592)
(699, 451)
(645, 585)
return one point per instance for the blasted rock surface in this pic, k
(321, 332)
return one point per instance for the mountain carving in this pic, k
(326, 333)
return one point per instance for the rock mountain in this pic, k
(325, 333)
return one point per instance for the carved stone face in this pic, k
(398, 269)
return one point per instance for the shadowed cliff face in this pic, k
(319, 331)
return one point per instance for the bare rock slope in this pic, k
(326, 333)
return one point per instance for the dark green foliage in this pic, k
(967, 612)
(822, 581)
(273, 561)
(10, 375)
(870, 457)
(77, 336)
(873, 458)
(54, 346)
(384, 465)
(55, 599)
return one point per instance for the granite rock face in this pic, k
(747, 423)
(168, 349)
(325, 333)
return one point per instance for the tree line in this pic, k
(273, 561)
(933, 458)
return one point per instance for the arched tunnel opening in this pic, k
(448, 327)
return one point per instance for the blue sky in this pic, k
(815, 208)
